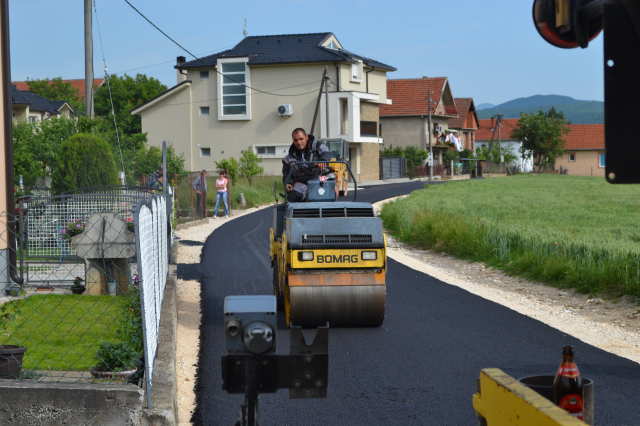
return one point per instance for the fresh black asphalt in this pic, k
(419, 368)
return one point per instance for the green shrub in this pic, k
(230, 164)
(249, 167)
(116, 356)
(85, 160)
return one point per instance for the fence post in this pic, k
(228, 191)
(191, 187)
(203, 185)
(144, 180)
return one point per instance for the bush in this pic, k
(249, 164)
(230, 164)
(116, 356)
(85, 160)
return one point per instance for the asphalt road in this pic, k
(419, 368)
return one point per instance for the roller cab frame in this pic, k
(329, 261)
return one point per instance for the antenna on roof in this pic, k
(244, 30)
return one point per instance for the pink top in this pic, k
(221, 182)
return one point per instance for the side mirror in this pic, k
(568, 24)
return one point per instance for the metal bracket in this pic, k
(621, 84)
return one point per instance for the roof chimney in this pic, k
(181, 77)
(493, 122)
(424, 76)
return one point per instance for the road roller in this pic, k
(329, 259)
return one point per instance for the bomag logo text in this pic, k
(345, 258)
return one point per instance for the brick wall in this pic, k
(369, 162)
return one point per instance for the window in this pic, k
(268, 150)
(33, 119)
(205, 152)
(332, 45)
(356, 71)
(572, 157)
(204, 75)
(204, 110)
(601, 160)
(234, 97)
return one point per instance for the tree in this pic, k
(230, 164)
(248, 166)
(85, 160)
(542, 134)
(506, 150)
(57, 90)
(25, 162)
(149, 159)
(127, 93)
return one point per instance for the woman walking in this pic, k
(221, 187)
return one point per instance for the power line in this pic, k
(168, 62)
(200, 60)
(217, 99)
(106, 75)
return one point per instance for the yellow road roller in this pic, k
(329, 260)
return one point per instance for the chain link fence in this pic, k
(90, 272)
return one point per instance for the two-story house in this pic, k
(226, 102)
(405, 122)
(467, 122)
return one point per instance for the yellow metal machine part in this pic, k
(342, 176)
(502, 400)
(336, 286)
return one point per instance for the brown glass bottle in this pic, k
(568, 390)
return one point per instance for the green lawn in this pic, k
(63, 332)
(569, 231)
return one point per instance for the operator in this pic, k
(303, 148)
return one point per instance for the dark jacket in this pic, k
(315, 151)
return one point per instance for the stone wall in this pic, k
(370, 112)
(369, 162)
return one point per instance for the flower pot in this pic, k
(122, 375)
(78, 289)
(11, 361)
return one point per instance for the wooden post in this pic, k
(204, 194)
(175, 192)
(228, 191)
(144, 180)
(191, 187)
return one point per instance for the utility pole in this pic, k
(326, 97)
(498, 120)
(430, 131)
(88, 60)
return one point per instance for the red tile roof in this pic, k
(585, 136)
(76, 83)
(486, 129)
(582, 136)
(409, 96)
(467, 116)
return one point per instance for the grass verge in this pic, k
(568, 231)
(63, 332)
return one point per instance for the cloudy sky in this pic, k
(488, 49)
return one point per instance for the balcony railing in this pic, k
(369, 128)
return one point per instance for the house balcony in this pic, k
(344, 117)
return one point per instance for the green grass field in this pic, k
(568, 231)
(63, 332)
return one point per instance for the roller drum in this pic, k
(341, 306)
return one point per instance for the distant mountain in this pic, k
(484, 106)
(579, 112)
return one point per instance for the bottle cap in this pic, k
(567, 350)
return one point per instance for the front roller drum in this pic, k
(341, 306)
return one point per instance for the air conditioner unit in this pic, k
(285, 110)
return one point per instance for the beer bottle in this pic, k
(568, 391)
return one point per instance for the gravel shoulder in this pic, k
(189, 315)
(608, 325)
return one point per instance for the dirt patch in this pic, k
(613, 326)
(191, 242)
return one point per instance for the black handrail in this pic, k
(355, 191)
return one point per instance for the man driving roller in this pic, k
(303, 148)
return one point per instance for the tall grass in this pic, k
(568, 231)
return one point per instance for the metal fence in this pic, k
(93, 266)
(393, 167)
